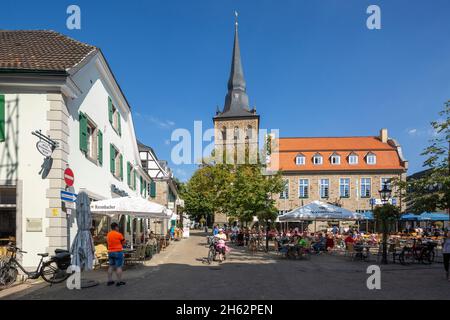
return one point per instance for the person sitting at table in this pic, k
(319, 245)
(329, 244)
(152, 239)
(349, 239)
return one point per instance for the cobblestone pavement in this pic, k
(180, 273)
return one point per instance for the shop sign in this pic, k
(118, 191)
(44, 148)
(34, 224)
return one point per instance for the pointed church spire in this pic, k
(236, 100)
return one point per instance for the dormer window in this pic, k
(300, 160)
(317, 159)
(371, 158)
(335, 158)
(353, 158)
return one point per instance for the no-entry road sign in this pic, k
(68, 177)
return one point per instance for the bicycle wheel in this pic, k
(51, 273)
(8, 276)
(406, 257)
(211, 255)
(427, 257)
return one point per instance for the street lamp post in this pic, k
(385, 194)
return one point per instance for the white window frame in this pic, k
(389, 182)
(301, 162)
(341, 184)
(320, 188)
(364, 195)
(371, 156)
(353, 156)
(300, 185)
(317, 156)
(92, 140)
(335, 157)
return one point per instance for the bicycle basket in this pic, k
(63, 260)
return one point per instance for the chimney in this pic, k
(384, 135)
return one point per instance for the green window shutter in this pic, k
(100, 147)
(2, 118)
(119, 124)
(152, 189)
(134, 179)
(141, 183)
(129, 173)
(121, 167)
(145, 189)
(110, 110)
(83, 132)
(112, 156)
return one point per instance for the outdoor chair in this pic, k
(101, 255)
(135, 256)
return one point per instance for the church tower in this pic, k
(237, 126)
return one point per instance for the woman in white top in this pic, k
(220, 246)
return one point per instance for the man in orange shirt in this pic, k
(115, 241)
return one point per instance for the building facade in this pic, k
(163, 189)
(66, 90)
(345, 171)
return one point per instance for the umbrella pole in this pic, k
(131, 229)
(315, 226)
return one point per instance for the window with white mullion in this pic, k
(366, 186)
(324, 187)
(344, 187)
(303, 188)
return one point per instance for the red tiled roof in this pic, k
(387, 157)
(40, 50)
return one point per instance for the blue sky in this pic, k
(312, 67)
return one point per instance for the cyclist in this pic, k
(221, 237)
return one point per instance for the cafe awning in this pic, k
(318, 210)
(409, 217)
(133, 206)
(433, 216)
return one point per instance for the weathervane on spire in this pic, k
(236, 14)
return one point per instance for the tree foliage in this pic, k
(431, 191)
(241, 192)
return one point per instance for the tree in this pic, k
(385, 216)
(431, 191)
(204, 193)
(240, 191)
(252, 192)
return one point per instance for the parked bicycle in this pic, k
(52, 270)
(423, 252)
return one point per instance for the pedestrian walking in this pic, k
(115, 242)
(446, 254)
